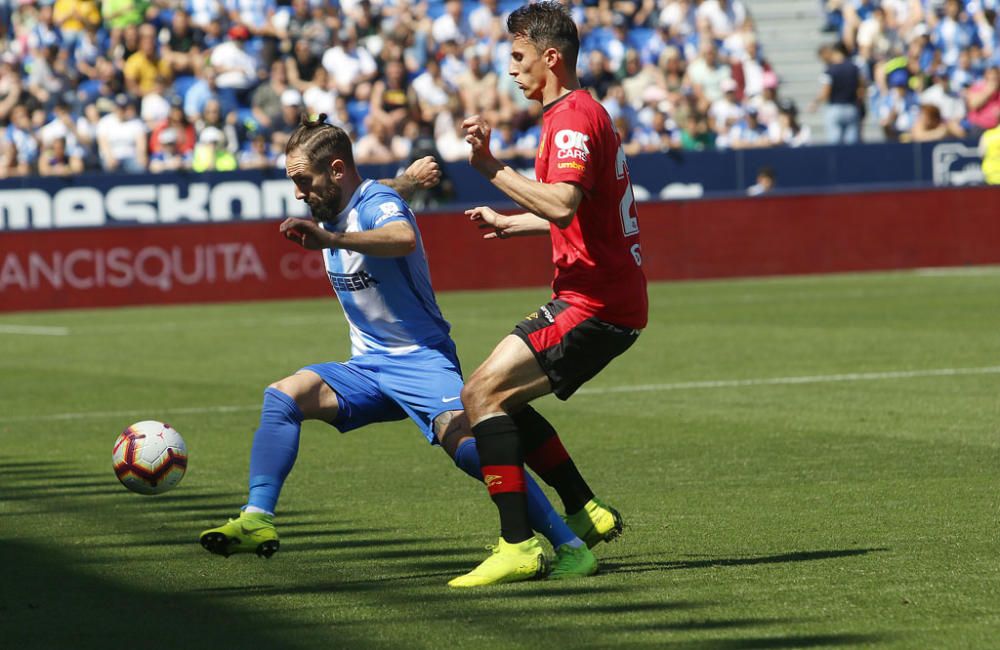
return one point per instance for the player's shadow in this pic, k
(674, 565)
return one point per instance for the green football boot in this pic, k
(248, 533)
(596, 523)
(573, 563)
(508, 563)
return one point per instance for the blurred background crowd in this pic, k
(158, 85)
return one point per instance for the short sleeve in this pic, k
(572, 144)
(382, 210)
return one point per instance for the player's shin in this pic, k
(545, 455)
(541, 515)
(275, 446)
(502, 461)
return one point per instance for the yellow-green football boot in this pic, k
(596, 523)
(248, 533)
(508, 563)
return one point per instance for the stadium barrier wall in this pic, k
(91, 200)
(249, 260)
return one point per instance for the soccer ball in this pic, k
(149, 457)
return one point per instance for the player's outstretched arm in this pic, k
(555, 202)
(423, 173)
(503, 226)
(395, 239)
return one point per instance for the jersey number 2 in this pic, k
(626, 207)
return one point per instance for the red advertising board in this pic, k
(46, 269)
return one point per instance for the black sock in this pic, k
(502, 462)
(545, 454)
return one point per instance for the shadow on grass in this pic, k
(771, 643)
(47, 602)
(673, 565)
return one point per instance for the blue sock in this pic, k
(275, 446)
(541, 514)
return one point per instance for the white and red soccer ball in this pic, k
(150, 457)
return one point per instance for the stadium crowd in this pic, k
(135, 85)
(157, 85)
(924, 69)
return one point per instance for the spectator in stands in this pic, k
(983, 100)
(291, 111)
(786, 130)
(679, 17)
(213, 117)
(478, 86)
(352, 68)
(953, 33)
(57, 160)
(766, 179)
(21, 146)
(928, 126)
(379, 146)
(302, 65)
(842, 89)
(705, 75)
(451, 25)
(598, 77)
(265, 102)
(433, 92)
(393, 101)
(257, 155)
(485, 19)
(211, 153)
(155, 105)
(142, 68)
(898, 110)
(121, 138)
(950, 105)
(184, 49)
(696, 135)
(200, 92)
(319, 97)
(61, 126)
(749, 133)
(234, 67)
(168, 157)
(725, 112)
(48, 76)
(723, 16)
(178, 122)
(118, 14)
(74, 17)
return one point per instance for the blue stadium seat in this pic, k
(639, 36)
(183, 83)
(357, 110)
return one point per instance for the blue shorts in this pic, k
(372, 388)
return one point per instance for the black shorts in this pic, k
(570, 345)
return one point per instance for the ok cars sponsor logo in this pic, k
(571, 145)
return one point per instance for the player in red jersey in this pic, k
(583, 200)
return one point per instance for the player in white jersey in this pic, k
(403, 362)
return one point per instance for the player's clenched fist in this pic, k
(425, 172)
(306, 233)
(477, 134)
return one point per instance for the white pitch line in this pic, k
(150, 412)
(808, 379)
(36, 330)
(640, 388)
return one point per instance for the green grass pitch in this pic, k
(802, 462)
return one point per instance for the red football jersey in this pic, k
(597, 257)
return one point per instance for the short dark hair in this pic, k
(547, 24)
(320, 142)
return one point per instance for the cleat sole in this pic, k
(267, 549)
